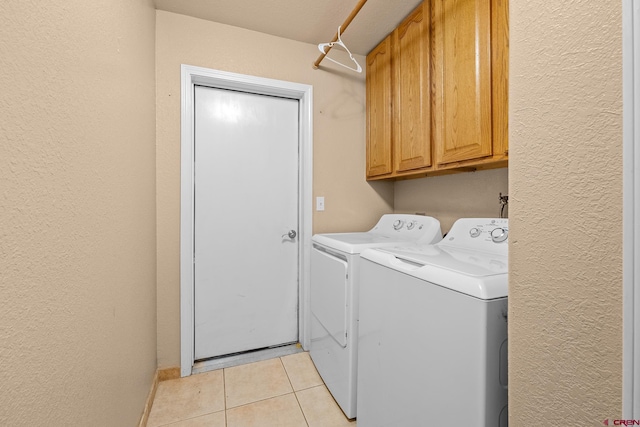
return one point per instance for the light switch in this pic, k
(319, 204)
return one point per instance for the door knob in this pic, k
(291, 234)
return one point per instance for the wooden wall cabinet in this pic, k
(411, 83)
(379, 160)
(398, 99)
(448, 91)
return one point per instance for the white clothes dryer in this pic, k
(335, 261)
(432, 348)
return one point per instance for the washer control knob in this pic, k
(499, 235)
(411, 225)
(397, 225)
(474, 232)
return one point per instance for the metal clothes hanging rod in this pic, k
(344, 26)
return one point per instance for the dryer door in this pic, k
(329, 285)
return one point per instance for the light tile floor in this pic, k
(281, 392)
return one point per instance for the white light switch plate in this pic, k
(319, 204)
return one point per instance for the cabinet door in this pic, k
(410, 63)
(462, 72)
(379, 161)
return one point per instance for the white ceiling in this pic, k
(309, 21)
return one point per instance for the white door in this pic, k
(246, 215)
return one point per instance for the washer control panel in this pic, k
(490, 234)
(409, 227)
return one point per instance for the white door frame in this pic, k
(192, 76)
(631, 208)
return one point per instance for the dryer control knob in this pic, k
(411, 225)
(499, 235)
(397, 225)
(474, 232)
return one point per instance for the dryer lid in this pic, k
(354, 243)
(391, 229)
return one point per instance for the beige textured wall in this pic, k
(565, 290)
(77, 212)
(339, 135)
(450, 197)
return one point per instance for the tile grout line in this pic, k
(294, 391)
(224, 396)
(191, 418)
(287, 374)
(204, 414)
(301, 410)
(259, 400)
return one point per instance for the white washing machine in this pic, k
(432, 348)
(335, 261)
